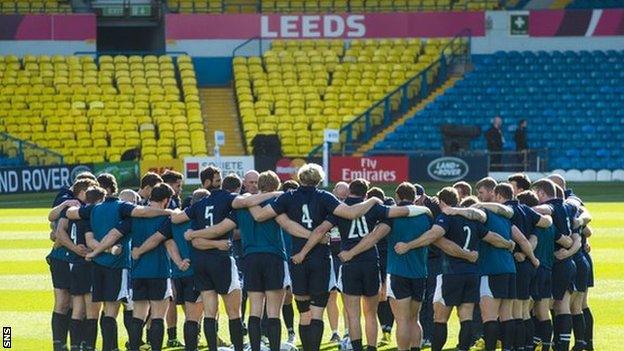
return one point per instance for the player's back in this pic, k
(413, 264)
(353, 231)
(465, 234)
(104, 217)
(493, 260)
(210, 211)
(309, 207)
(153, 263)
(184, 248)
(544, 251)
(561, 217)
(260, 237)
(525, 218)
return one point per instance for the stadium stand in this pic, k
(328, 6)
(92, 111)
(569, 99)
(34, 6)
(299, 88)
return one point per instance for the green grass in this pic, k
(26, 290)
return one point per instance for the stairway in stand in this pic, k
(219, 113)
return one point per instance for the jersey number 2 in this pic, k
(468, 234)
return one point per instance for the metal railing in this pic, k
(27, 152)
(396, 103)
(249, 48)
(300, 6)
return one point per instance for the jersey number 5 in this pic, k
(209, 216)
(359, 229)
(468, 234)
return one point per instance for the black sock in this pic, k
(356, 345)
(109, 333)
(415, 349)
(371, 348)
(508, 334)
(172, 333)
(90, 330)
(545, 333)
(529, 333)
(127, 321)
(564, 321)
(289, 317)
(304, 331)
(60, 326)
(386, 318)
(263, 324)
(589, 329)
(578, 326)
(191, 331)
(210, 331)
(520, 334)
(75, 334)
(253, 326)
(490, 334)
(440, 333)
(236, 333)
(136, 332)
(316, 333)
(157, 334)
(274, 332)
(465, 335)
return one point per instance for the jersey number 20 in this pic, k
(359, 229)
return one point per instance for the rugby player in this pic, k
(359, 278)
(458, 233)
(215, 271)
(312, 278)
(110, 272)
(563, 271)
(464, 190)
(341, 191)
(148, 182)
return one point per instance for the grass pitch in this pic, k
(26, 290)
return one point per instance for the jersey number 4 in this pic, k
(305, 216)
(359, 228)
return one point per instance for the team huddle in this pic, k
(514, 261)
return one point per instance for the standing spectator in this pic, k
(520, 138)
(495, 141)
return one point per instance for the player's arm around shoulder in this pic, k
(426, 239)
(248, 200)
(212, 232)
(497, 208)
(408, 211)
(470, 213)
(355, 211)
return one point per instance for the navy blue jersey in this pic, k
(525, 218)
(383, 243)
(104, 217)
(174, 203)
(466, 234)
(76, 231)
(260, 237)
(413, 264)
(176, 232)
(561, 219)
(153, 263)
(353, 231)
(210, 211)
(61, 252)
(309, 207)
(493, 260)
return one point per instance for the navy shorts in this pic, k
(525, 272)
(359, 278)
(109, 284)
(313, 276)
(383, 261)
(590, 278)
(265, 272)
(61, 275)
(498, 286)
(563, 274)
(185, 290)
(581, 279)
(151, 289)
(541, 287)
(401, 288)
(80, 279)
(216, 272)
(456, 289)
